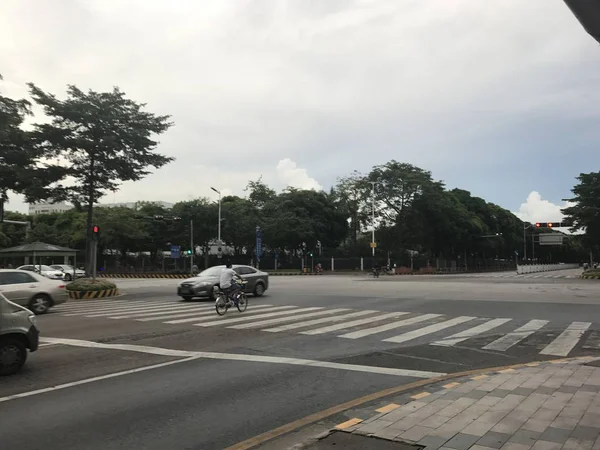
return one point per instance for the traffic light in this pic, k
(310, 254)
(548, 224)
(95, 231)
(158, 217)
(189, 252)
(176, 219)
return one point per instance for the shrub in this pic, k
(87, 284)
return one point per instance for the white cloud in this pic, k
(536, 209)
(290, 174)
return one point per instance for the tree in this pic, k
(240, 219)
(260, 193)
(106, 138)
(204, 214)
(21, 169)
(584, 214)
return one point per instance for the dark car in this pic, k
(203, 284)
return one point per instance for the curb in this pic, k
(255, 441)
(84, 295)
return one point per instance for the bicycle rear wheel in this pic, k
(221, 305)
(242, 302)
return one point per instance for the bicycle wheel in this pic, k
(242, 302)
(221, 305)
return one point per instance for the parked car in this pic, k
(32, 290)
(18, 333)
(204, 283)
(44, 270)
(69, 272)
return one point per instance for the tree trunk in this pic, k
(89, 243)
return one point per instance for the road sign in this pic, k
(373, 244)
(258, 242)
(175, 251)
(551, 239)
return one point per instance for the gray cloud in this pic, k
(332, 86)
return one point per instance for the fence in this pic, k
(534, 268)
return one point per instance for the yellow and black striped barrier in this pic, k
(84, 295)
(591, 276)
(144, 275)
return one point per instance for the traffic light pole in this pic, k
(192, 246)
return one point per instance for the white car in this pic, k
(32, 290)
(69, 271)
(44, 270)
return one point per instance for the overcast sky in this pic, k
(499, 97)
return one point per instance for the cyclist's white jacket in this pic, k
(227, 275)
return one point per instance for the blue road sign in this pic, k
(258, 242)
(175, 251)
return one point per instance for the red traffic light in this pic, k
(549, 224)
(538, 224)
(96, 229)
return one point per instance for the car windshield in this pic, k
(43, 267)
(63, 267)
(211, 272)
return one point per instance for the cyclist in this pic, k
(227, 282)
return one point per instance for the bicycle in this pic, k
(224, 302)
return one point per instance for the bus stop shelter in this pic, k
(38, 253)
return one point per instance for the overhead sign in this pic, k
(175, 251)
(258, 242)
(551, 239)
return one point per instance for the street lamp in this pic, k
(525, 228)
(219, 227)
(373, 183)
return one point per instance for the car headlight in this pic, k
(32, 320)
(202, 283)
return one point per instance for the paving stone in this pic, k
(494, 439)
(590, 420)
(566, 423)
(545, 445)
(374, 427)
(500, 393)
(586, 432)
(456, 407)
(515, 446)
(488, 400)
(525, 437)
(479, 447)
(432, 442)
(523, 391)
(558, 435)
(462, 441)
(578, 444)
(536, 425)
(533, 402)
(589, 388)
(435, 421)
(509, 425)
(416, 433)
(544, 390)
(388, 433)
(567, 389)
(477, 394)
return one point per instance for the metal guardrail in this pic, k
(535, 268)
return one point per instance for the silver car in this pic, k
(69, 271)
(202, 285)
(32, 290)
(44, 270)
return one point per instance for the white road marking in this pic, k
(389, 326)
(176, 309)
(252, 312)
(227, 321)
(207, 313)
(143, 308)
(91, 304)
(508, 340)
(263, 323)
(309, 323)
(467, 334)
(353, 323)
(114, 308)
(429, 330)
(92, 380)
(191, 355)
(568, 339)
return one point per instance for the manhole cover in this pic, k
(347, 441)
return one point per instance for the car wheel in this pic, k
(40, 304)
(259, 289)
(13, 355)
(68, 277)
(186, 298)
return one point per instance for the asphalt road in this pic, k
(115, 374)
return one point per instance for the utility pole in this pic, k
(192, 246)
(373, 183)
(219, 226)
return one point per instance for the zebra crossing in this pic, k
(546, 275)
(400, 327)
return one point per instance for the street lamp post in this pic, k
(525, 228)
(219, 227)
(373, 183)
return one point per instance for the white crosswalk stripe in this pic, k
(353, 323)
(508, 340)
(429, 330)
(471, 332)
(309, 323)
(253, 312)
(568, 339)
(263, 323)
(227, 321)
(348, 323)
(389, 326)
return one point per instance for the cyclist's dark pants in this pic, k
(231, 291)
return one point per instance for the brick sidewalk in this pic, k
(551, 405)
